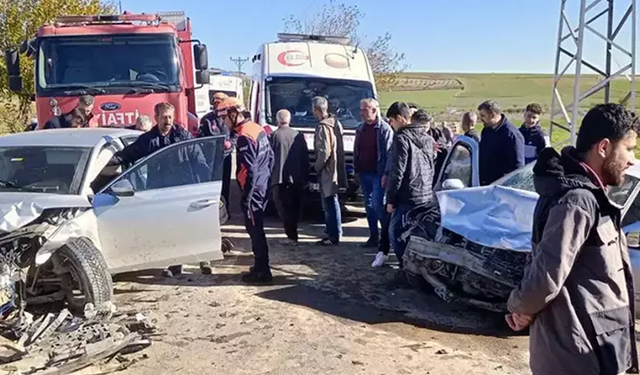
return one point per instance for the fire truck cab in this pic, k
(128, 62)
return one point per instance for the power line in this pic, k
(239, 61)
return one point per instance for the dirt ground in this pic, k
(328, 312)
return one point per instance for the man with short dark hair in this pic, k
(289, 175)
(501, 144)
(577, 293)
(371, 148)
(534, 137)
(84, 106)
(411, 178)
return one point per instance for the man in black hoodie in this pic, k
(410, 180)
(577, 293)
(534, 137)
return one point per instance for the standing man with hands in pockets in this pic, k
(371, 148)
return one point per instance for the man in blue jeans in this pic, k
(330, 168)
(410, 177)
(372, 145)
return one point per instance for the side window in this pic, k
(129, 139)
(458, 165)
(191, 162)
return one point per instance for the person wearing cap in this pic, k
(211, 125)
(254, 158)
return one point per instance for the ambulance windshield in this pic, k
(295, 94)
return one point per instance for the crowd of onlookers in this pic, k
(577, 295)
(397, 158)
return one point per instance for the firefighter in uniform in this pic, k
(253, 170)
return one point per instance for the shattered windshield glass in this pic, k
(521, 179)
(42, 169)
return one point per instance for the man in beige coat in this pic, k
(330, 168)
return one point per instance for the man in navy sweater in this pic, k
(501, 144)
(534, 137)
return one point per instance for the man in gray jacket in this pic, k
(330, 168)
(577, 293)
(289, 174)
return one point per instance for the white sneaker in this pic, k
(380, 260)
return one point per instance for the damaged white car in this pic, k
(68, 221)
(471, 245)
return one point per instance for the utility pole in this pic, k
(120, 6)
(239, 61)
(571, 61)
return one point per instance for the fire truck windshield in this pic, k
(111, 63)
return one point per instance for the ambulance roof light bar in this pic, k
(287, 37)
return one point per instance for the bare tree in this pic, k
(338, 19)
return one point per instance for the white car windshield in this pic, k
(42, 169)
(522, 179)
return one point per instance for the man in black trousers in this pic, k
(289, 174)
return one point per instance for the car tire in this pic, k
(89, 269)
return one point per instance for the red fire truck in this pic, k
(128, 62)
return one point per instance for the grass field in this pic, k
(447, 96)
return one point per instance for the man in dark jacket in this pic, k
(501, 144)
(371, 148)
(85, 106)
(166, 172)
(289, 175)
(534, 137)
(410, 181)
(254, 163)
(577, 293)
(211, 125)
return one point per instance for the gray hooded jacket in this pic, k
(578, 284)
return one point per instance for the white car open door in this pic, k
(461, 168)
(164, 210)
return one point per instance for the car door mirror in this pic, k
(452, 184)
(123, 188)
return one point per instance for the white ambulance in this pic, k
(288, 73)
(225, 82)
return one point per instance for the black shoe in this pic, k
(371, 243)
(400, 281)
(257, 277)
(327, 242)
(205, 268)
(172, 271)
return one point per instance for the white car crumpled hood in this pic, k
(20, 209)
(493, 216)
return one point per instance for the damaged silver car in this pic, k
(471, 244)
(68, 221)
